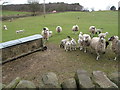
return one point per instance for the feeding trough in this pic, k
(16, 48)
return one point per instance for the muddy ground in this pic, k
(54, 59)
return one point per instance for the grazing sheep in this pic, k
(75, 28)
(68, 46)
(63, 42)
(59, 29)
(80, 40)
(99, 45)
(5, 27)
(73, 44)
(115, 45)
(20, 31)
(86, 41)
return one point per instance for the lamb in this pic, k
(68, 46)
(86, 41)
(115, 45)
(73, 44)
(20, 31)
(59, 29)
(93, 30)
(75, 28)
(5, 27)
(99, 45)
(63, 42)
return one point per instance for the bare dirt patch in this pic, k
(54, 59)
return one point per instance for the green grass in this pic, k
(33, 25)
(10, 13)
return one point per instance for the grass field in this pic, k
(67, 62)
(33, 25)
(10, 13)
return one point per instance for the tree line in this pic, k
(36, 7)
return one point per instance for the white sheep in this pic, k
(63, 42)
(86, 41)
(58, 29)
(68, 46)
(115, 45)
(45, 33)
(99, 45)
(92, 30)
(103, 34)
(75, 28)
(73, 44)
(50, 33)
(20, 31)
(5, 27)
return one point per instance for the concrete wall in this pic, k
(83, 80)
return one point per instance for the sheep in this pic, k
(50, 33)
(75, 28)
(99, 45)
(103, 34)
(115, 45)
(20, 31)
(80, 35)
(5, 27)
(59, 29)
(45, 33)
(68, 46)
(92, 30)
(86, 41)
(63, 42)
(10, 20)
(73, 44)
(80, 40)
(98, 31)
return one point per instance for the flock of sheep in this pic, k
(98, 43)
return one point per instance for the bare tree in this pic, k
(34, 6)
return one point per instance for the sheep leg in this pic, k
(85, 50)
(75, 48)
(65, 48)
(81, 48)
(70, 49)
(98, 56)
(115, 58)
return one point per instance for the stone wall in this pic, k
(81, 81)
(16, 48)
